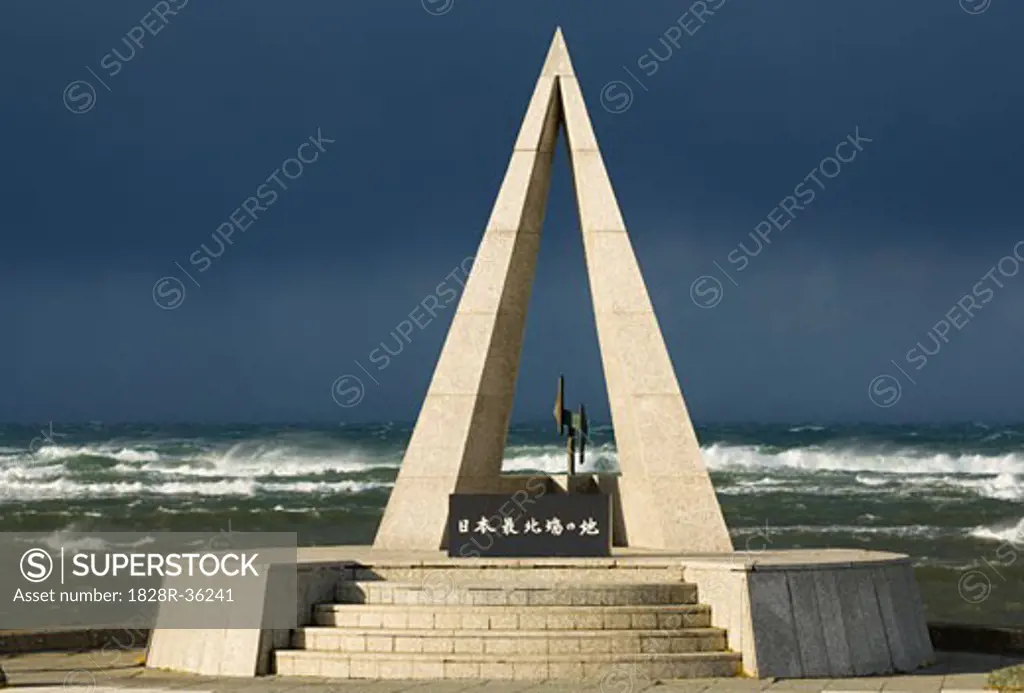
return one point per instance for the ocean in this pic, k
(950, 496)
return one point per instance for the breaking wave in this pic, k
(853, 459)
(320, 465)
(1013, 534)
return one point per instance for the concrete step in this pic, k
(472, 618)
(511, 571)
(614, 671)
(510, 642)
(523, 594)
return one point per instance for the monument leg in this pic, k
(459, 439)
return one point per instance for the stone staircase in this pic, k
(607, 625)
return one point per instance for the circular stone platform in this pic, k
(366, 613)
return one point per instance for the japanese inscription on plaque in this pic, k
(550, 525)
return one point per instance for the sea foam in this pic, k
(289, 465)
(1013, 534)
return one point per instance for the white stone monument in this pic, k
(664, 491)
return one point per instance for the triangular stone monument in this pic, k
(666, 497)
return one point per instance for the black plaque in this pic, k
(564, 525)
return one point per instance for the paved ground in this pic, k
(120, 671)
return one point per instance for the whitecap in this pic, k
(1013, 534)
(902, 461)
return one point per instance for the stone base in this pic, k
(370, 613)
(816, 613)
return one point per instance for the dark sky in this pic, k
(423, 108)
